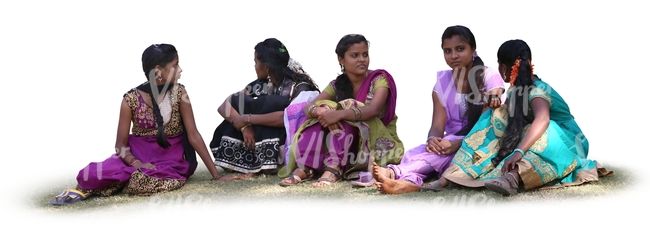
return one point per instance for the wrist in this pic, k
(518, 150)
(244, 127)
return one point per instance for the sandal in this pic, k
(365, 180)
(296, 179)
(330, 179)
(436, 186)
(506, 185)
(69, 196)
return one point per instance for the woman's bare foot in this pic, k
(390, 186)
(377, 170)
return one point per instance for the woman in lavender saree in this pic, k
(353, 119)
(456, 109)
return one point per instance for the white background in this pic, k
(66, 64)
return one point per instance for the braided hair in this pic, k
(475, 78)
(515, 52)
(275, 55)
(342, 83)
(157, 55)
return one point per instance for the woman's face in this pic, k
(356, 59)
(261, 70)
(503, 70)
(458, 53)
(171, 72)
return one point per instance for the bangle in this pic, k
(244, 127)
(357, 113)
(310, 111)
(249, 119)
(518, 150)
(430, 137)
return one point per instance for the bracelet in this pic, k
(249, 119)
(244, 127)
(133, 161)
(518, 150)
(311, 109)
(357, 113)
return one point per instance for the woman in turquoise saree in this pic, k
(350, 121)
(532, 141)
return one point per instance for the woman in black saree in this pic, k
(251, 138)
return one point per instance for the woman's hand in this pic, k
(139, 164)
(249, 138)
(434, 146)
(239, 121)
(492, 100)
(319, 111)
(511, 163)
(329, 118)
(221, 177)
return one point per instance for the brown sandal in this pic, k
(330, 179)
(295, 177)
(506, 185)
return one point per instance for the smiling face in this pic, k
(171, 72)
(356, 59)
(458, 53)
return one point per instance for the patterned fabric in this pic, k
(143, 119)
(313, 146)
(227, 142)
(557, 158)
(112, 175)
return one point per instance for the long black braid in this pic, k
(157, 55)
(509, 53)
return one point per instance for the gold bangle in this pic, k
(310, 111)
(357, 113)
(244, 127)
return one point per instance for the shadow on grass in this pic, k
(200, 190)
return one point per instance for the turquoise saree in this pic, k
(557, 159)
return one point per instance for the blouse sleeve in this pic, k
(330, 90)
(381, 83)
(493, 80)
(541, 90)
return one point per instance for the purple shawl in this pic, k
(391, 102)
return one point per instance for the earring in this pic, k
(160, 78)
(504, 77)
(342, 69)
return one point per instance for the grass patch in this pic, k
(200, 190)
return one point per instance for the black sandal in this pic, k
(330, 179)
(296, 179)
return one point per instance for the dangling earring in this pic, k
(342, 68)
(504, 77)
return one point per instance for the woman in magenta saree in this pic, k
(159, 154)
(350, 121)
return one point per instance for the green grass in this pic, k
(201, 190)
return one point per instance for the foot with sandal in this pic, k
(68, 197)
(298, 176)
(387, 183)
(330, 175)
